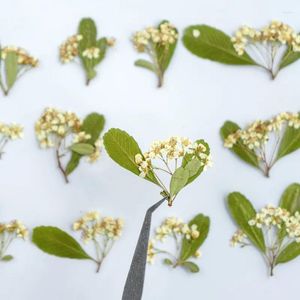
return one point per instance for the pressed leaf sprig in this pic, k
(9, 132)
(86, 47)
(70, 137)
(274, 231)
(177, 158)
(8, 233)
(101, 231)
(159, 44)
(272, 48)
(263, 143)
(14, 63)
(188, 238)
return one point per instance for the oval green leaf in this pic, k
(242, 212)
(55, 241)
(178, 180)
(190, 266)
(82, 148)
(290, 200)
(189, 247)
(11, 69)
(289, 253)
(210, 43)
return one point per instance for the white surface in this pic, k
(198, 97)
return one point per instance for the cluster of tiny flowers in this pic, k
(15, 228)
(23, 57)
(275, 32)
(171, 227)
(171, 149)
(55, 124)
(238, 238)
(164, 35)
(93, 226)
(11, 131)
(69, 49)
(257, 134)
(278, 217)
(91, 53)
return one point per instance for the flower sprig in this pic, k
(70, 136)
(274, 231)
(14, 63)
(8, 233)
(265, 44)
(177, 158)
(188, 238)
(9, 132)
(86, 47)
(263, 143)
(272, 48)
(101, 231)
(159, 44)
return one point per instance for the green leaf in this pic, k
(145, 64)
(82, 148)
(168, 262)
(55, 241)
(289, 57)
(290, 252)
(239, 149)
(178, 181)
(7, 258)
(102, 45)
(242, 212)
(88, 30)
(290, 200)
(190, 266)
(191, 163)
(189, 247)
(93, 125)
(290, 142)
(210, 43)
(164, 55)
(122, 148)
(11, 69)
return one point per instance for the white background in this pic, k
(198, 96)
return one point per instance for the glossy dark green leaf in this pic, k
(242, 212)
(210, 43)
(290, 142)
(55, 241)
(189, 246)
(239, 149)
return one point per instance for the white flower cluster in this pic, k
(238, 238)
(165, 35)
(93, 226)
(91, 53)
(175, 228)
(55, 124)
(22, 55)
(69, 49)
(11, 131)
(257, 133)
(280, 218)
(16, 229)
(276, 32)
(171, 149)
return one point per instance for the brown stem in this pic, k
(59, 164)
(87, 81)
(267, 171)
(160, 80)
